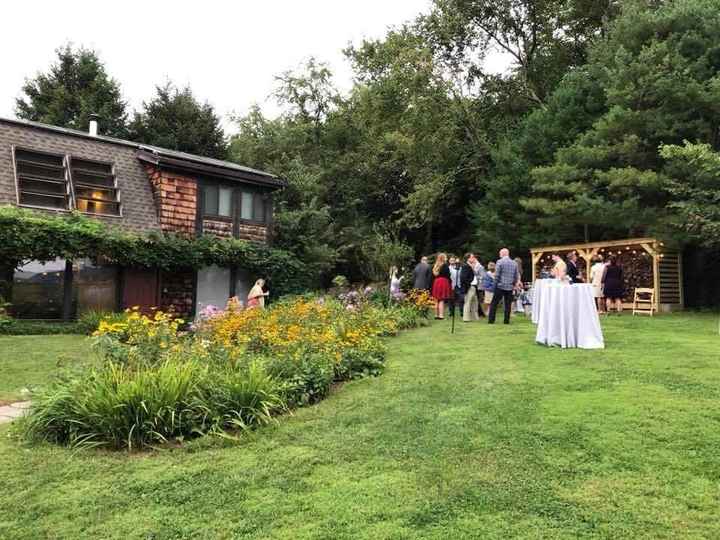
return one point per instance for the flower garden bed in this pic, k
(234, 369)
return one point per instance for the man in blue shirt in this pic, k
(507, 278)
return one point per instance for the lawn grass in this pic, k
(27, 361)
(478, 435)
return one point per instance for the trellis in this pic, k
(647, 263)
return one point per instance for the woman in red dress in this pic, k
(441, 289)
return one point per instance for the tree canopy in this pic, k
(75, 87)
(175, 119)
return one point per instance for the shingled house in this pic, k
(138, 187)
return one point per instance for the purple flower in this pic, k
(209, 311)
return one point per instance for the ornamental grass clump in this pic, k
(120, 406)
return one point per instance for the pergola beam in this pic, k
(591, 245)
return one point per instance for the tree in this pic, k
(309, 94)
(543, 39)
(75, 87)
(693, 172)
(659, 74)
(175, 119)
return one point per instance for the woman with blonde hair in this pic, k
(559, 271)
(596, 275)
(441, 289)
(256, 296)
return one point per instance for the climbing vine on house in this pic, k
(27, 235)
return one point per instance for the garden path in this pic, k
(8, 413)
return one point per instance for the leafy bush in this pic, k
(5, 319)
(242, 398)
(90, 320)
(380, 250)
(21, 327)
(307, 378)
(136, 337)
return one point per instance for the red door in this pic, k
(140, 288)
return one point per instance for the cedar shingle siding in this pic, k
(136, 196)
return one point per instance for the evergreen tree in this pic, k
(693, 172)
(75, 87)
(659, 73)
(174, 119)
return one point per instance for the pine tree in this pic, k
(75, 87)
(175, 119)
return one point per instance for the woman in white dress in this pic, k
(596, 274)
(394, 282)
(559, 270)
(256, 296)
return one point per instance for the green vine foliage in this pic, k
(26, 235)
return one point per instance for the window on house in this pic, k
(41, 180)
(213, 287)
(37, 291)
(246, 211)
(95, 187)
(259, 208)
(253, 207)
(95, 286)
(217, 201)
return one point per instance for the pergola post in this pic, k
(535, 256)
(652, 250)
(587, 255)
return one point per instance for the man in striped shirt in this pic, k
(507, 278)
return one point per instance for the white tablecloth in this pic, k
(567, 316)
(539, 288)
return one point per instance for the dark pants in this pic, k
(481, 299)
(458, 300)
(507, 298)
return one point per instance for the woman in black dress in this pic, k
(613, 287)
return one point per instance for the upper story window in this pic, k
(95, 187)
(253, 207)
(61, 182)
(217, 201)
(42, 180)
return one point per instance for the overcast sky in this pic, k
(227, 51)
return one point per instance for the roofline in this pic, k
(146, 155)
(187, 161)
(606, 243)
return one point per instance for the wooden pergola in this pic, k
(655, 265)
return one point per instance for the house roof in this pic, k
(168, 158)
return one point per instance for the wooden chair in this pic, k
(644, 301)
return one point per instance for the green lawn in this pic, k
(27, 361)
(478, 435)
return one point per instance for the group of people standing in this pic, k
(606, 278)
(464, 283)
